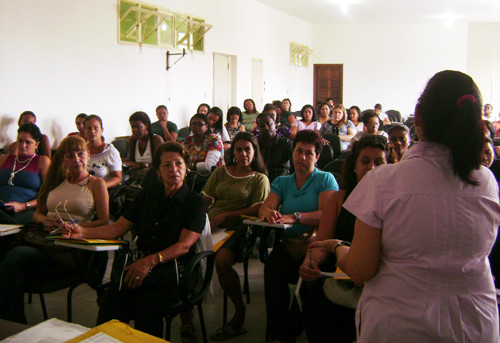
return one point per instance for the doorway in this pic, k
(224, 93)
(328, 82)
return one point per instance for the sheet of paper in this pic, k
(101, 337)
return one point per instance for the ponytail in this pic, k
(450, 112)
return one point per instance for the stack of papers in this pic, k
(7, 229)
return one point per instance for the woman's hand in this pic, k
(71, 230)
(270, 216)
(133, 165)
(15, 206)
(52, 222)
(287, 219)
(309, 270)
(217, 220)
(138, 271)
(327, 245)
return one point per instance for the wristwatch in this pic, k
(28, 206)
(341, 244)
(297, 216)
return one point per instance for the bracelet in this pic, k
(341, 244)
(160, 258)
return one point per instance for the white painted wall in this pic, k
(62, 57)
(389, 63)
(483, 63)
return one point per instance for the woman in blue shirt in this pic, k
(301, 197)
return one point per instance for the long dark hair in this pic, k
(349, 177)
(450, 114)
(218, 124)
(257, 162)
(313, 118)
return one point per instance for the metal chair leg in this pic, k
(69, 304)
(202, 323)
(224, 309)
(44, 309)
(246, 286)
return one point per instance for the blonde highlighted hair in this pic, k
(342, 121)
(57, 171)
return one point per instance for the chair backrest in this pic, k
(386, 128)
(197, 277)
(327, 155)
(335, 143)
(183, 133)
(334, 167)
(121, 144)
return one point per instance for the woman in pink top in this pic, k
(421, 241)
(307, 122)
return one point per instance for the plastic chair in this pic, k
(327, 155)
(394, 116)
(335, 143)
(121, 144)
(183, 134)
(195, 282)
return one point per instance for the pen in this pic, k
(310, 258)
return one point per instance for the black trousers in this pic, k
(325, 321)
(280, 270)
(146, 305)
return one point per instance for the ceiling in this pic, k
(389, 11)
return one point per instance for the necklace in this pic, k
(14, 172)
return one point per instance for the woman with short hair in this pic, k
(168, 221)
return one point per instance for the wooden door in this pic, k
(328, 82)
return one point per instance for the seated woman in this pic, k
(322, 318)
(286, 118)
(69, 193)
(239, 188)
(398, 142)
(325, 113)
(249, 115)
(339, 125)
(234, 125)
(287, 105)
(203, 109)
(307, 122)
(105, 161)
(167, 220)
(214, 117)
(371, 124)
(44, 146)
(21, 176)
(300, 198)
(355, 117)
(204, 147)
(80, 125)
(141, 145)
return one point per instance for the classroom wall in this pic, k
(62, 57)
(389, 63)
(483, 62)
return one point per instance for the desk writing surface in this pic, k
(262, 223)
(97, 247)
(8, 229)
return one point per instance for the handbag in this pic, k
(342, 292)
(33, 235)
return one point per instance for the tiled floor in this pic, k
(85, 308)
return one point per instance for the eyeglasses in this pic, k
(65, 211)
(200, 124)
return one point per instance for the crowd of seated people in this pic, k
(256, 164)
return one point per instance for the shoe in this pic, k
(227, 332)
(188, 333)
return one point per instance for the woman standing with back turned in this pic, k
(421, 241)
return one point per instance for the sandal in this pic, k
(188, 333)
(227, 332)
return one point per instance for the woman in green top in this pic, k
(249, 115)
(238, 188)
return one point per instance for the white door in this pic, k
(224, 81)
(258, 83)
